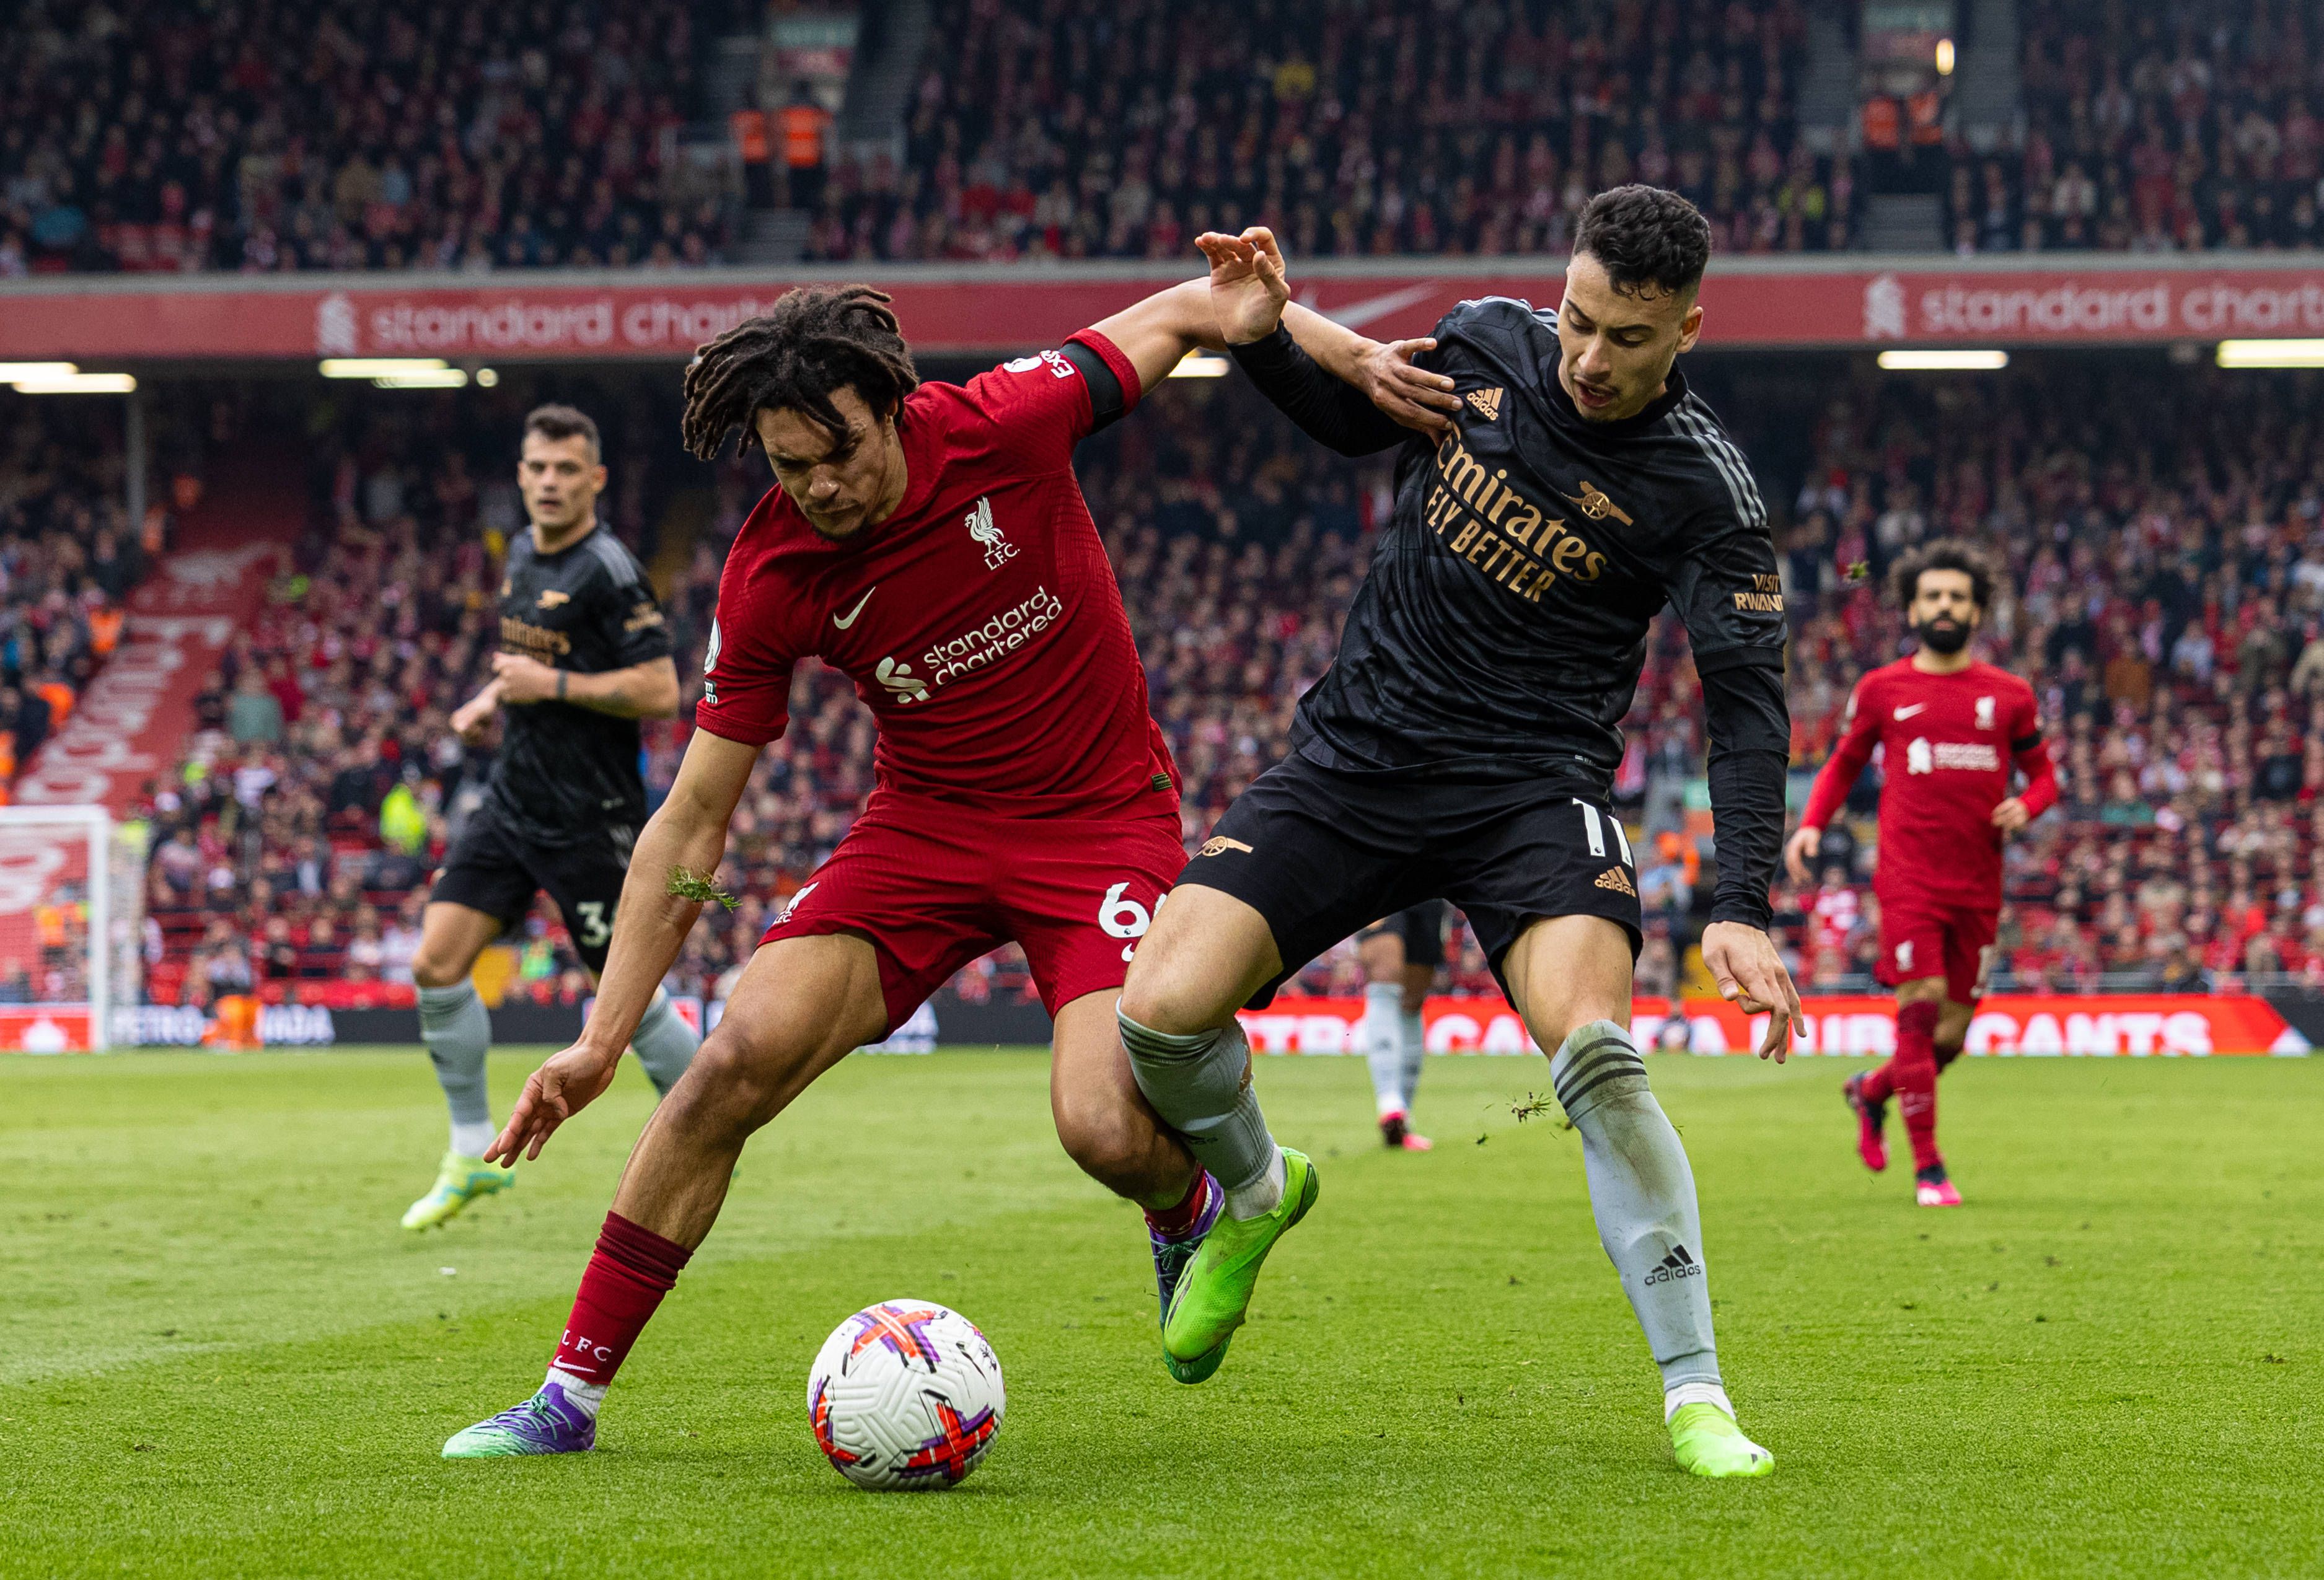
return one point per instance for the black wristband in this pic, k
(561, 685)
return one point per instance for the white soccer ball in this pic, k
(905, 1394)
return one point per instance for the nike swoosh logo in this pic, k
(844, 624)
(1357, 314)
(1904, 713)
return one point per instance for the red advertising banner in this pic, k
(2007, 1025)
(992, 309)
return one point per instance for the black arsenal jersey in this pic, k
(566, 770)
(1501, 631)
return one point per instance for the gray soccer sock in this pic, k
(1381, 1051)
(459, 1034)
(1413, 1047)
(1200, 1084)
(1643, 1194)
(663, 1043)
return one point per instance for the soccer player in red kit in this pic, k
(931, 542)
(1951, 729)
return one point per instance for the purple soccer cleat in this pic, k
(547, 1423)
(1174, 1253)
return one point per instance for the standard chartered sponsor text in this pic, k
(1004, 634)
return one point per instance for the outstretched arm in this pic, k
(650, 926)
(1285, 347)
(1833, 782)
(1157, 334)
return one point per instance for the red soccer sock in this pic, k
(1170, 1222)
(630, 1272)
(1881, 1084)
(1914, 1077)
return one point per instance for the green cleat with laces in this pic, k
(1214, 1292)
(458, 1182)
(1707, 1441)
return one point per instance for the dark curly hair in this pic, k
(1645, 235)
(1944, 554)
(818, 340)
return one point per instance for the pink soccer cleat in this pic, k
(1401, 1136)
(1871, 1118)
(1933, 1188)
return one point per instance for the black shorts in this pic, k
(1422, 928)
(1321, 853)
(491, 869)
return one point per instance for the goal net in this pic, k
(71, 927)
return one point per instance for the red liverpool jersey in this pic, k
(980, 621)
(1948, 742)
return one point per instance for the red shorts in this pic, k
(1921, 938)
(934, 887)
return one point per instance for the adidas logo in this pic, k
(1488, 403)
(1677, 1265)
(1615, 878)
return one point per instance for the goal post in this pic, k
(72, 887)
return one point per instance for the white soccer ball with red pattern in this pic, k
(905, 1394)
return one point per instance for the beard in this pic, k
(1942, 636)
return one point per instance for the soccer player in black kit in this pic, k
(1563, 486)
(584, 654)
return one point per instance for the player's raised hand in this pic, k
(1751, 975)
(1409, 394)
(1249, 288)
(2011, 815)
(1800, 850)
(561, 1087)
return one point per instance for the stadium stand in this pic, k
(69, 557)
(1410, 130)
(2148, 129)
(266, 137)
(2166, 603)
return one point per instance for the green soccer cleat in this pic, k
(1214, 1292)
(458, 1184)
(1707, 1441)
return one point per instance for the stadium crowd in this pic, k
(2163, 545)
(1077, 129)
(2149, 128)
(2165, 602)
(263, 135)
(69, 557)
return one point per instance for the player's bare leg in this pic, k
(459, 1034)
(1107, 1128)
(1570, 979)
(1204, 957)
(802, 1005)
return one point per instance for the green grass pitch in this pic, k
(221, 1355)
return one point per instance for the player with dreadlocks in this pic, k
(928, 540)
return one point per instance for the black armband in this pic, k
(1327, 410)
(1109, 402)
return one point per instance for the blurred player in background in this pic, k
(931, 542)
(584, 654)
(1400, 956)
(1951, 730)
